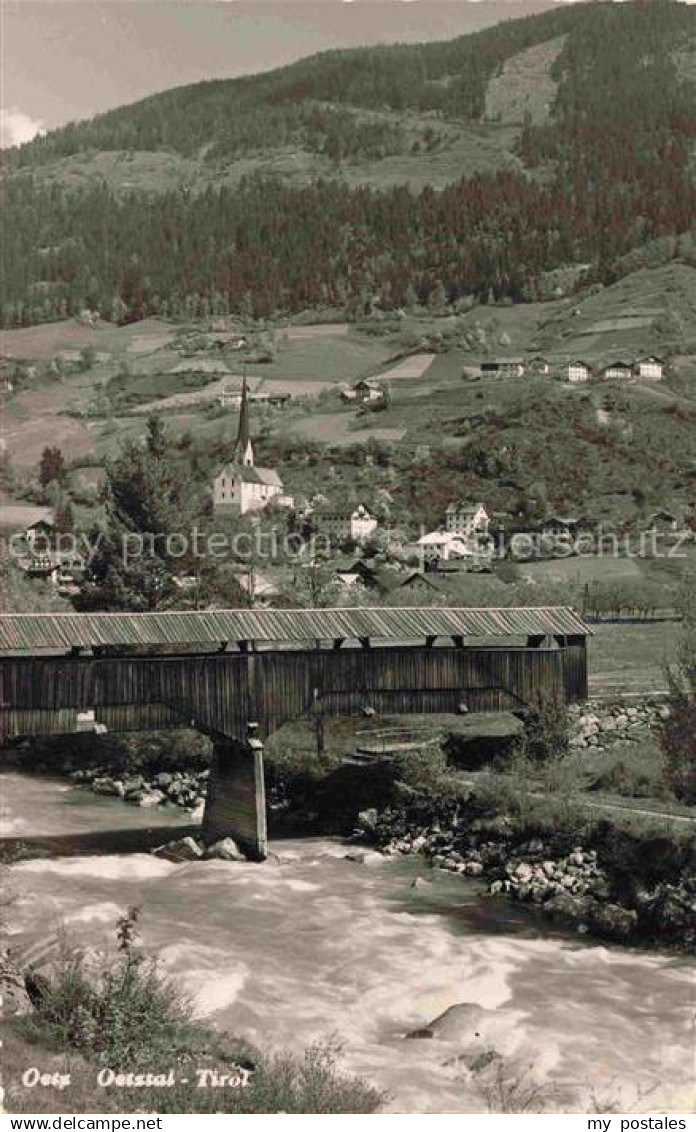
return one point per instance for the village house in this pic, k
(539, 366)
(418, 583)
(503, 367)
(40, 535)
(563, 526)
(366, 574)
(619, 370)
(649, 369)
(231, 398)
(365, 392)
(442, 546)
(64, 569)
(466, 520)
(576, 371)
(663, 522)
(355, 524)
(240, 486)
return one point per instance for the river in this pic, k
(311, 945)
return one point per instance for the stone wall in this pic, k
(603, 724)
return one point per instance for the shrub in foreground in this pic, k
(124, 1015)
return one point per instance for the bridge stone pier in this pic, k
(238, 675)
(236, 801)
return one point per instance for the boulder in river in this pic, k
(185, 849)
(613, 920)
(463, 1020)
(108, 786)
(224, 850)
(150, 799)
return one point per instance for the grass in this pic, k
(580, 570)
(630, 658)
(323, 357)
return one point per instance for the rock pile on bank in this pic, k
(572, 888)
(181, 788)
(600, 724)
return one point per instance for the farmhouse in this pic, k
(576, 371)
(620, 370)
(231, 398)
(39, 536)
(418, 583)
(366, 392)
(649, 369)
(662, 522)
(503, 367)
(441, 546)
(63, 569)
(538, 365)
(240, 487)
(561, 525)
(356, 524)
(365, 574)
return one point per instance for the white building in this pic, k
(356, 524)
(576, 371)
(503, 367)
(649, 369)
(469, 521)
(441, 546)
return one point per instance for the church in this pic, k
(240, 486)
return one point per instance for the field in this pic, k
(580, 570)
(630, 658)
(46, 340)
(343, 428)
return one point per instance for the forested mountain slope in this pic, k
(602, 167)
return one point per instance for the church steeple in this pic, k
(243, 450)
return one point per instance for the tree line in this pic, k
(612, 174)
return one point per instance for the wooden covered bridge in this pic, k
(237, 675)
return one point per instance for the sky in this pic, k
(63, 60)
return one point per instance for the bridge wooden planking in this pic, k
(221, 693)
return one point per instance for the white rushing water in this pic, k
(311, 946)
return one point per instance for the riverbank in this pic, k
(628, 885)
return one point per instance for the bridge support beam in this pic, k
(235, 804)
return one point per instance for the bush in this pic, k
(639, 774)
(146, 753)
(128, 1013)
(546, 730)
(125, 1016)
(679, 732)
(679, 747)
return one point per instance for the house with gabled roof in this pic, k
(576, 371)
(538, 365)
(343, 523)
(467, 519)
(649, 369)
(620, 370)
(503, 367)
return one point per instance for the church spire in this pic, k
(243, 450)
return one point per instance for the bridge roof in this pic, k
(31, 632)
